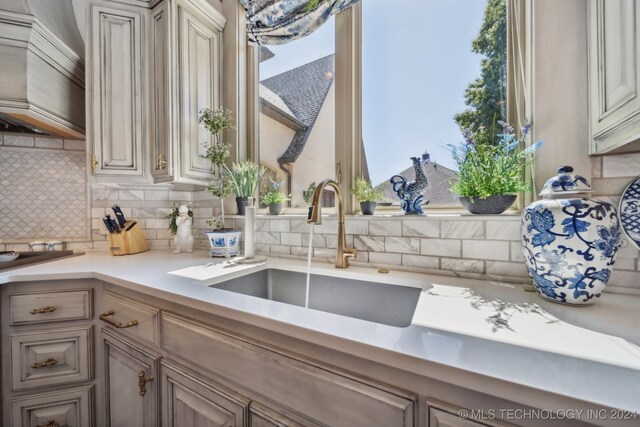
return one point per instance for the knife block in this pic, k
(128, 242)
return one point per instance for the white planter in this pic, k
(224, 243)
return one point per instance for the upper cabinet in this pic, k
(151, 71)
(614, 49)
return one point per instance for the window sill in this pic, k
(453, 215)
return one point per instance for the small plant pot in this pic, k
(368, 208)
(241, 202)
(224, 242)
(275, 209)
(492, 205)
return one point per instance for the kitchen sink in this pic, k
(377, 302)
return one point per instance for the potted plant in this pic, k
(223, 241)
(273, 197)
(491, 168)
(366, 195)
(244, 178)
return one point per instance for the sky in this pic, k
(417, 62)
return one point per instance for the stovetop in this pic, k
(36, 257)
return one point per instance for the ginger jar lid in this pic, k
(565, 184)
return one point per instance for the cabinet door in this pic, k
(263, 416)
(614, 44)
(131, 384)
(116, 90)
(68, 408)
(199, 79)
(190, 401)
(162, 92)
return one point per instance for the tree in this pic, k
(486, 96)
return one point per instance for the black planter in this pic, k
(242, 203)
(275, 209)
(368, 208)
(492, 205)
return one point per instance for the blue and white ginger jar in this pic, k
(569, 241)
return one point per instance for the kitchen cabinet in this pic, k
(614, 73)
(47, 331)
(151, 70)
(130, 375)
(190, 399)
(117, 105)
(187, 73)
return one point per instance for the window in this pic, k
(419, 59)
(297, 113)
(426, 70)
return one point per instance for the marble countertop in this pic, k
(489, 330)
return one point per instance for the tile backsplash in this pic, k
(461, 245)
(43, 189)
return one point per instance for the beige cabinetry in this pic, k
(614, 46)
(151, 70)
(48, 354)
(186, 75)
(130, 376)
(117, 104)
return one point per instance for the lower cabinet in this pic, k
(263, 416)
(130, 375)
(189, 400)
(68, 408)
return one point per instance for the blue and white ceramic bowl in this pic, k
(569, 243)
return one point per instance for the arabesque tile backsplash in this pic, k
(466, 245)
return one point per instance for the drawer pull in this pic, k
(51, 423)
(105, 318)
(49, 362)
(142, 382)
(41, 310)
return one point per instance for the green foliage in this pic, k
(364, 192)
(215, 223)
(173, 226)
(215, 121)
(486, 96)
(490, 163)
(307, 195)
(220, 187)
(244, 177)
(273, 193)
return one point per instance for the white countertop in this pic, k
(490, 329)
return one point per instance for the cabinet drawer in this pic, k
(68, 408)
(50, 357)
(320, 394)
(50, 306)
(130, 317)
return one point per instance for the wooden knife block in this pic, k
(128, 242)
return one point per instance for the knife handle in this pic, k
(107, 224)
(119, 215)
(115, 226)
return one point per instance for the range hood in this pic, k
(42, 68)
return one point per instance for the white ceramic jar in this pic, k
(569, 241)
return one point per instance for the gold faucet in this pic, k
(315, 217)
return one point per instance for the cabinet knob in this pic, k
(94, 162)
(142, 382)
(161, 162)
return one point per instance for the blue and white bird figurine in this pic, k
(410, 192)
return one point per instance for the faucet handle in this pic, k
(350, 252)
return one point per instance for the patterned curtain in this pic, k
(271, 22)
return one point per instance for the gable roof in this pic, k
(303, 91)
(437, 192)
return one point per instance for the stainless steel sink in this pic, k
(381, 303)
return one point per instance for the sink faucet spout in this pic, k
(315, 217)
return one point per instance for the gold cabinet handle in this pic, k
(51, 423)
(49, 362)
(94, 162)
(41, 310)
(142, 382)
(105, 318)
